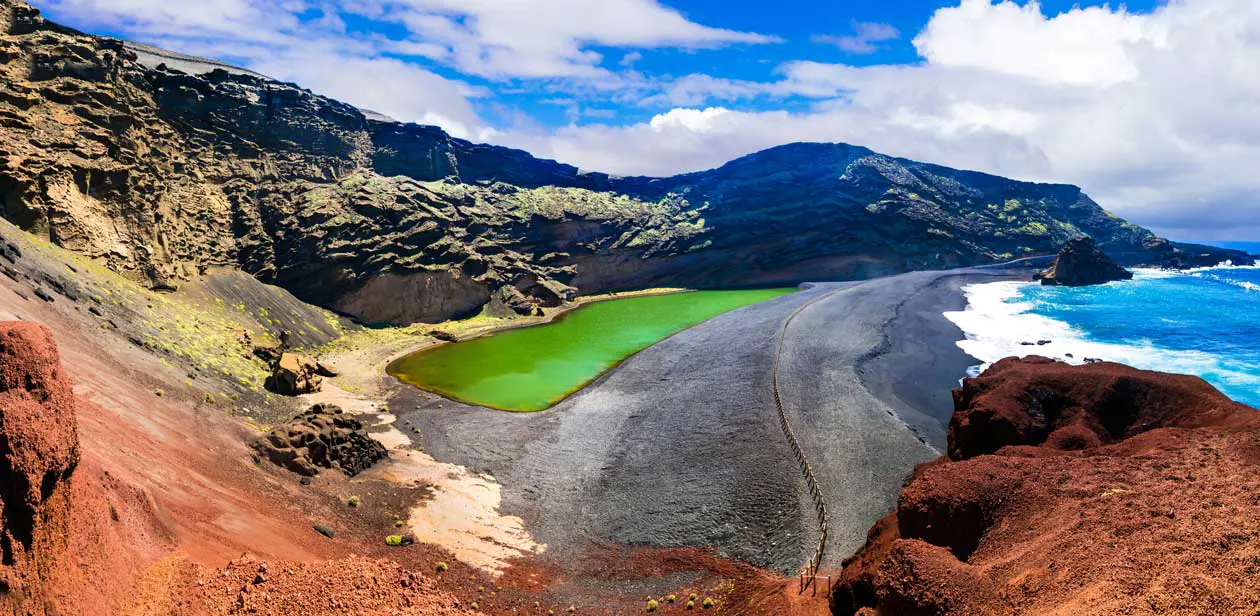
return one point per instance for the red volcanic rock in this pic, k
(1096, 489)
(1038, 401)
(39, 449)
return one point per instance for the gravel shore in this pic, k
(680, 445)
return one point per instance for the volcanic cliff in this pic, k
(1097, 489)
(166, 175)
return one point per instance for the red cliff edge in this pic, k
(1098, 489)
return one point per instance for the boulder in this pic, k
(295, 374)
(1081, 263)
(324, 437)
(325, 369)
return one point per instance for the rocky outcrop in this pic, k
(1073, 489)
(1081, 263)
(324, 437)
(39, 451)
(294, 375)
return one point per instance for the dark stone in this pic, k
(44, 295)
(325, 530)
(1081, 263)
(324, 369)
(268, 354)
(324, 437)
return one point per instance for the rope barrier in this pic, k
(810, 571)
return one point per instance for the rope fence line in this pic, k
(810, 571)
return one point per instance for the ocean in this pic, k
(1204, 322)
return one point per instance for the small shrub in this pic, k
(442, 567)
(354, 501)
(692, 597)
(708, 603)
(474, 605)
(671, 598)
(393, 541)
(652, 605)
(399, 523)
(691, 605)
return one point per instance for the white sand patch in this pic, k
(463, 515)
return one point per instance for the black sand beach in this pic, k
(681, 446)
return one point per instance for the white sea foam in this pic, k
(997, 325)
(1242, 284)
(1224, 265)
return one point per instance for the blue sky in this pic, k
(1153, 107)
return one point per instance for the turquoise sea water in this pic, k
(1204, 322)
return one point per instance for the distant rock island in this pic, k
(1081, 263)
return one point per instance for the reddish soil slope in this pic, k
(1096, 489)
(69, 534)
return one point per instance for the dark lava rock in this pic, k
(325, 530)
(1082, 263)
(322, 437)
(443, 336)
(324, 369)
(268, 354)
(42, 294)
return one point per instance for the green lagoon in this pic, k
(532, 368)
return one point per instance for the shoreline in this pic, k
(1128, 322)
(920, 362)
(637, 444)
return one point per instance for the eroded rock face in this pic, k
(1073, 489)
(39, 450)
(1081, 263)
(324, 437)
(294, 375)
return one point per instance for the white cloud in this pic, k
(865, 39)
(1089, 46)
(385, 85)
(1157, 115)
(547, 38)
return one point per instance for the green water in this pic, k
(532, 368)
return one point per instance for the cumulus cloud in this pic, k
(865, 39)
(1157, 114)
(1084, 46)
(551, 38)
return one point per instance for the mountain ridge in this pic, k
(163, 175)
